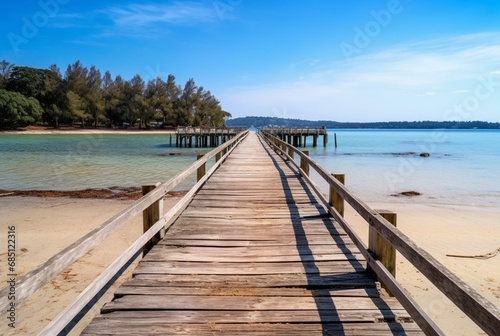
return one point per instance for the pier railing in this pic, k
(189, 136)
(485, 314)
(298, 136)
(43, 274)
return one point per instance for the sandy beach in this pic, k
(88, 131)
(45, 226)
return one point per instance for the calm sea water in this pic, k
(70, 162)
(463, 167)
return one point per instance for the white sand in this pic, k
(46, 226)
(90, 131)
(442, 230)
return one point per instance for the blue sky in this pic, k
(345, 60)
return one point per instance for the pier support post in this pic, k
(304, 165)
(381, 248)
(335, 199)
(203, 168)
(283, 148)
(149, 217)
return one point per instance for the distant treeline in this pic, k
(30, 96)
(282, 122)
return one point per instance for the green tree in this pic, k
(94, 97)
(161, 96)
(185, 108)
(55, 100)
(18, 110)
(76, 79)
(139, 107)
(5, 70)
(116, 106)
(173, 92)
(28, 81)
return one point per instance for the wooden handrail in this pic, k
(485, 314)
(67, 315)
(41, 275)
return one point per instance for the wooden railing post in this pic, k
(304, 165)
(203, 168)
(381, 248)
(218, 156)
(335, 199)
(291, 152)
(149, 217)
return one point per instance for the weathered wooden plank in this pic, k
(122, 326)
(131, 288)
(235, 243)
(157, 257)
(246, 255)
(169, 267)
(278, 250)
(298, 280)
(276, 222)
(249, 303)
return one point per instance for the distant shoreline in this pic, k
(85, 131)
(257, 121)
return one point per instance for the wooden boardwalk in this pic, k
(253, 254)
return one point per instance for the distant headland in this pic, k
(284, 122)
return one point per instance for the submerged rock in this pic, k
(425, 154)
(407, 193)
(405, 153)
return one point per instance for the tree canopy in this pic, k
(18, 110)
(86, 96)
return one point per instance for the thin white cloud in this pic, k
(141, 15)
(425, 94)
(435, 61)
(390, 80)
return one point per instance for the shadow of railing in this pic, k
(316, 282)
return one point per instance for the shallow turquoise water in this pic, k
(463, 167)
(67, 162)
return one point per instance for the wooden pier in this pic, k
(204, 137)
(256, 248)
(298, 136)
(254, 253)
